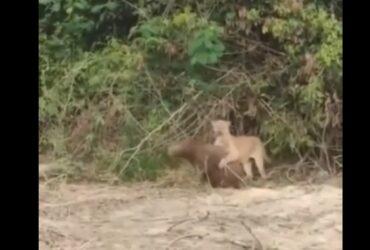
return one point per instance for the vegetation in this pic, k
(120, 79)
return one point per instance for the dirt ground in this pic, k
(304, 217)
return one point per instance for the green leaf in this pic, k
(41, 104)
(230, 16)
(208, 43)
(52, 109)
(219, 47)
(212, 58)
(194, 45)
(97, 8)
(202, 58)
(69, 10)
(193, 61)
(81, 5)
(112, 5)
(56, 7)
(44, 2)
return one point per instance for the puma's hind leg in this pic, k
(247, 166)
(258, 160)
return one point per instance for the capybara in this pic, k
(206, 158)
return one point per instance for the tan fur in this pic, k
(241, 148)
(206, 158)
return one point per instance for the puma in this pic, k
(242, 148)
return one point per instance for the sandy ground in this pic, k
(144, 217)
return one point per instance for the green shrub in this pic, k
(120, 80)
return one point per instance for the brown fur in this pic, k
(206, 158)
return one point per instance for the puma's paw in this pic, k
(222, 164)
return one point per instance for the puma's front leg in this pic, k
(229, 158)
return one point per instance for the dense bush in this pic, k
(121, 79)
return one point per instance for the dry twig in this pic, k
(256, 240)
(184, 237)
(147, 137)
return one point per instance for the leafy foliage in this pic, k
(205, 47)
(113, 74)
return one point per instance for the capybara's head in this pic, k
(184, 148)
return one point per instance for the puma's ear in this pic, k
(213, 123)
